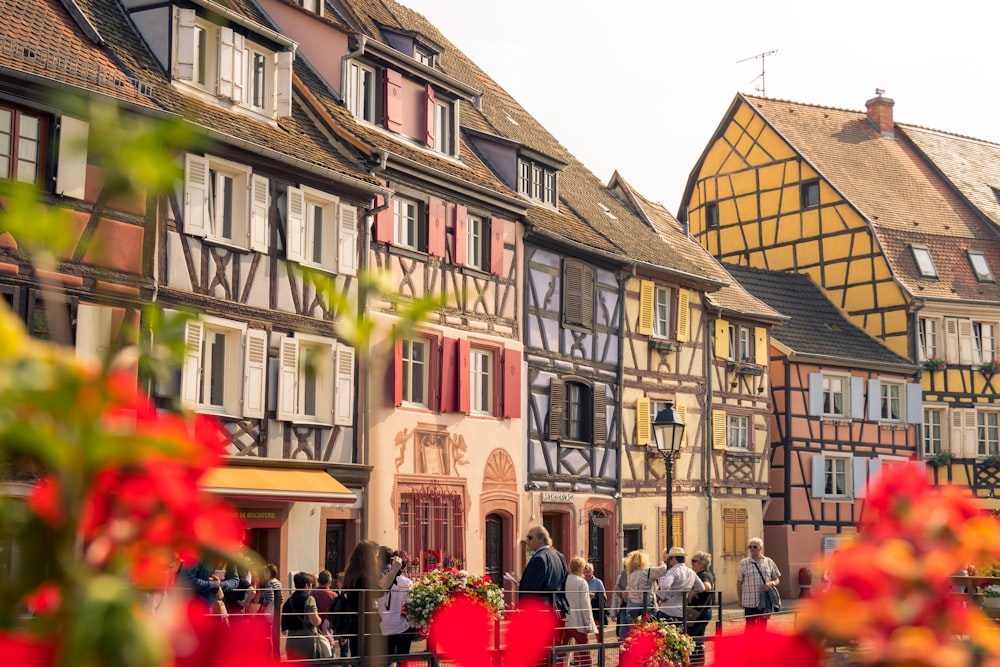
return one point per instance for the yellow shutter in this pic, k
(642, 421)
(721, 339)
(647, 291)
(718, 429)
(734, 531)
(761, 352)
(677, 532)
(683, 314)
(742, 531)
(682, 410)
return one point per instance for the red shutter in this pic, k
(464, 398)
(436, 216)
(461, 231)
(497, 227)
(512, 384)
(429, 116)
(384, 224)
(397, 373)
(393, 119)
(449, 375)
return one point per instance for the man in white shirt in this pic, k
(675, 585)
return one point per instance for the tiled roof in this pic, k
(898, 191)
(816, 326)
(731, 296)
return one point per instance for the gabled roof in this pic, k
(891, 185)
(729, 297)
(815, 328)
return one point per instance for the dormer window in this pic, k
(235, 65)
(980, 266)
(925, 264)
(361, 91)
(423, 55)
(536, 181)
(314, 6)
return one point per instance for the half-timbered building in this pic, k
(845, 406)
(680, 323)
(847, 198)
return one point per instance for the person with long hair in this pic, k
(640, 593)
(363, 586)
(396, 629)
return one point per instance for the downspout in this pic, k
(364, 357)
(350, 55)
(619, 552)
(707, 421)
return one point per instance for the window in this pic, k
(406, 215)
(983, 342)
(204, 64)
(320, 231)
(741, 344)
(711, 215)
(738, 431)
(22, 145)
(476, 239)
(442, 127)
(932, 431)
(810, 194)
(925, 265)
(577, 411)
(735, 531)
(835, 396)
(432, 517)
(578, 294)
(481, 382)
(676, 529)
(257, 89)
(980, 266)
(928, 332)
(218, 204)
(746, 344)
(423, 56)
(661, 313)
(314, 6)
(224, 370)
(360, 93)
(988, 433)
(733, 342)
(316, 381)
(836, 476)
(892, 402)
(537, 181)
(415, 371)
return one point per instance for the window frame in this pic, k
(407, 371)
(662, 312)
(937, 441)
(482, 380)
(232, 371)
(444, 124)
(329, 236)
(41, 143)
(809, 194)
(927, 336)
(712, 215)
(844, 392)
(981, 352)
(829, 475)
(399, 219)
(254, 82)
(738, 426)
(983, 273)
(537, 181)
(476, 242)
(892, 397)
(924, 261)
(578, 415)
(990, 444)
(362, 101)
(420, 528)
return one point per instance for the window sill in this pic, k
(835, 420)
(893, 425)
(475, 271)
(303, 421)
(224, 243)
(837, 499)
(662, 344)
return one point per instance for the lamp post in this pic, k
(668, 430)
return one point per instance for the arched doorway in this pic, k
(495, 547)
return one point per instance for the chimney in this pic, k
(880, 113)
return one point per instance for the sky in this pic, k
(641, 85)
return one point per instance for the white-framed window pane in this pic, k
(733, 340)
(928, 338)
(475, 230)
(577, 409)
(932, 431)
(738, 435)
(200, 55)
(213, 364)
(481, 382)
(891, 402)
(524, 178)
(833, 396)
(405, 213)
(661, 313)
(988, 433)
(550, 188)
(922, 256)
(836, 476)
(258, 80)
(415, 372)
(536, 182)
(442, 127)
(746, 351)
(984, 335)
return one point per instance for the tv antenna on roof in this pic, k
(760, 56)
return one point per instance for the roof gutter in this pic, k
(513, 205)
(853, 363)
(239, 19)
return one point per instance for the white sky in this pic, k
(641, 85)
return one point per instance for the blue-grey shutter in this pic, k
(857, 398)
(874, 400)
(860, 475)
(874, 468)
(914, 403)
(818, 474)
(816, 394)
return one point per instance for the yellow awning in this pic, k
(276, 484)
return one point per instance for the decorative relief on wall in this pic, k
(401, 439)
(435, 451)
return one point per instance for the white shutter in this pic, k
(295, 225)
(260, 204)
(225, 64)
(93, 331)
(283, 76)
(859, 475)
(343, 411)
(288, 379)
(71, 169)
(965, 341)
(818, 475)
(951, 339)
(194, 334)
(347, 244)
(858, 398)
(970, 431)
(185, 44)
(958, 448)
(874, 400)
(914, 403)
(815, 394)
(255, 373)
(239, 68)
(196, 195)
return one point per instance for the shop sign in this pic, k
(557, 496)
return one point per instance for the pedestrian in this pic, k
(396, 629)
(271, 601)
(640, 592)
(580, 618)
(210, 584)
(341, 642)
(363, 586)
(675, 585)
(701, 603)
(598, 596)
(300, 621)
(324, 597)
(544, 576)
(618, 602)
(756, 573)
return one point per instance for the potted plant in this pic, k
(670, 647)
(440, 587)
(941, 459)
(934, 363)
(991, 596)
(990, 367)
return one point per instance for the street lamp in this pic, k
(668, 430)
